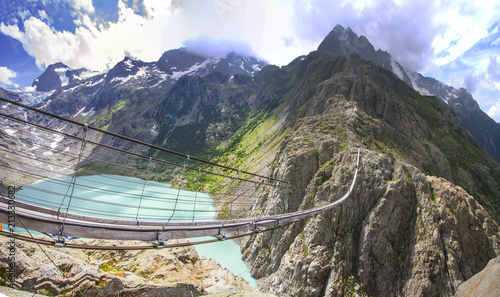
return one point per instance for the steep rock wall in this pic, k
(401, 233)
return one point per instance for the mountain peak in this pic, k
(341, 30)
(55, 76)
(57, 65)
(342, 41)
(339, 27)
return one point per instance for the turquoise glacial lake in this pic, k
(130, 198)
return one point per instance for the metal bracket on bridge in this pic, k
(60, 240)
(280, 223)
(159, 244)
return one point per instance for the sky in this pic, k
(454, 41)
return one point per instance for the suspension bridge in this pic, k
(38, 145)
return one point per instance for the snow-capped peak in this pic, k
(56, 76)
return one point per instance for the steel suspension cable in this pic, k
(136, 154)
(132, 140)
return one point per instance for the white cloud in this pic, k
(11, 30)
(494, 111)
(164, 25)
(85, 5)
(43, 15)
(23, 14)
(462, 34)
(210, 47)
(98, 47)
(494, 69)
(46, 45)
(6, 76)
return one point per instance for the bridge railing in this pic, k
(85, 144)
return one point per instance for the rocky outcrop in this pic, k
(485, 283)
(404, 232)
(74, 272)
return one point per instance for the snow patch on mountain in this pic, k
(451, 96)
(62, 75)
(256, 68)
(10, 131)
(79, 112)
(75, 87)
(128, 63)
(396, 69)
(121, 79)
(90, 112)
(56, 140)
(414, 77)
(88, 74)
(193, 69)
(30, 96)
(100, 81)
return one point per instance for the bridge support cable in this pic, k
(145, 157)
(45, 220)
(182, 175)
(197, 189)
(231, 193)
(60, 239)
(142, 194)
(130, 139)
(83, 222)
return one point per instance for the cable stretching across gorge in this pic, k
(133, 140)
(83, 226)
(93, 227)
(141, 143)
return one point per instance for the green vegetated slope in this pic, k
(389, 118)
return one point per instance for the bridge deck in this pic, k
(49, 221)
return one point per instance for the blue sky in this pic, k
(457, 42)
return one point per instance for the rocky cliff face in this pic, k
(408, 229)
(167, 272)
(402, 233)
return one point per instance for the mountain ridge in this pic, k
(485, 130)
